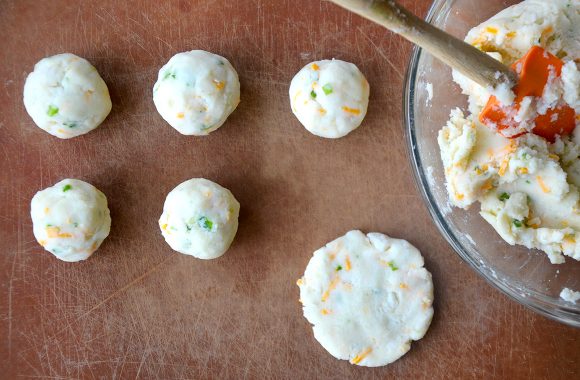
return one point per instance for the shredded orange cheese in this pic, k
(479, 40)
(354, 111)
(570, 239)
(42, 242)
(325, 311)
(459, 196)
(54, 232)
(347, 264)
(46, 210)
(300, 282)
(491, 29)
(522, 171)
(164, 227)
(358, 358)
(218, 84)
(331, 287)
(180, 115)
(488, 185)
(554, 156)
(549, 29)
(315, 67)
(511, 34)
(545, 188)
(402, 285)
(503, 167)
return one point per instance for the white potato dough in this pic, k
(330, 97)
(66, 96)
(200, 218)
(70, 219)
(367, 297)
(196, 91)
(570, 295)
(528, 187)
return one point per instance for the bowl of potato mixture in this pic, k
(508, 203)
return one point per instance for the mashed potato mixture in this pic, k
(527, 185)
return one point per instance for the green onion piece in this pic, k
(393, 266)
(52, 110)
(169, 74)
(338, 268)
(313, 94)
(327, 88)
(518, 223)
(205, 223)
(66, 188)
(70, 125)
(504, 196)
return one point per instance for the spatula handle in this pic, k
(461, 56)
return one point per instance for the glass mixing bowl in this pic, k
(525, 275)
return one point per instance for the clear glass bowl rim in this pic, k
(535, 301)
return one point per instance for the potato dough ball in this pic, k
(200, 218)
(70, 219)
(330, 97)
(196, 91)
(66, 96)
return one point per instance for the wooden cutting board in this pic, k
(136, 309)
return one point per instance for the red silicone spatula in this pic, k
(527, 77)
(533, 69)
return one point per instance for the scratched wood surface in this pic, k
(138, 310)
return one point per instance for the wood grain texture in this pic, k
(138, 310)
(454, 52)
